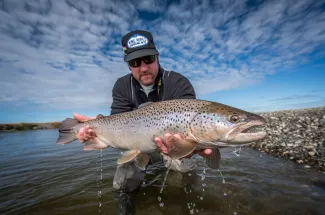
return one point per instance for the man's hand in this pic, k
(85, 133)
(163, 148)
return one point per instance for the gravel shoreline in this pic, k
(28, 126)
(297, 135)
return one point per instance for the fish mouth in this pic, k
(247, 132)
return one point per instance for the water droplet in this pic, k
(144, 194)
(162, 187)
(189, 174)
(203, 190)
(225, 194)
(201, 198)
(159, 198)
(235, 213)
(161, 204)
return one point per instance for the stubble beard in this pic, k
(147, 78)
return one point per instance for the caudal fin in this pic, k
(66, 132)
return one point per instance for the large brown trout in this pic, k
(201, 124)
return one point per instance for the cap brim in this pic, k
(140, 53)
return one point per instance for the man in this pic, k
(148, 82)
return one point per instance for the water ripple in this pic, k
(37, 176)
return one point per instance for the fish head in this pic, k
(222, 125)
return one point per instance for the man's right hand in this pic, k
(85, 133)
(163, 148)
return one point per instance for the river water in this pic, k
(37, 176)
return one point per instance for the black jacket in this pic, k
(128, 93)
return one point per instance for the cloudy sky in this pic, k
(63, 56)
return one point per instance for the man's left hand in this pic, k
(163, 148)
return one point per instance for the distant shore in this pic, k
(28, 126)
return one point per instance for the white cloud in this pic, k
(69, 52)
(48, 58)
(151, 5)
(298, 97)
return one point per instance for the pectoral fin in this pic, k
(95, 144)
(128, 156)
(213, 160)
(179, 147)
(142, 160)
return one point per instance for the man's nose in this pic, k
(143, 66)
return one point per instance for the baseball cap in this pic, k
(138, 43)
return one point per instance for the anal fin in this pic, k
(213, 160)
(142, 160)
(128, 156)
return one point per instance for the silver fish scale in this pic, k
(136, 129)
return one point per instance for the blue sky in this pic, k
(59, 57)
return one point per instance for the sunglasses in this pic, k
(137, 61)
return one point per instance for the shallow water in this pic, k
(38, 176)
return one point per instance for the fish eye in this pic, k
(234, 118)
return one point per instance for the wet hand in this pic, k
(163, 146)
(85, 133)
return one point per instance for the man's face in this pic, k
(145, 74)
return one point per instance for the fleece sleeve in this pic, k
(121, 102)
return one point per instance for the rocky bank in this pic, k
(297, 135)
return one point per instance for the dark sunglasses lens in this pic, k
(135, 62)
(149, 59)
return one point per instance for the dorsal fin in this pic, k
(99, 116)
(144, 104)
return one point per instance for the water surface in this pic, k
(38, 176)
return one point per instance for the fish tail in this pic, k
(66, 131)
